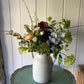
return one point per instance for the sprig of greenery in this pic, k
(67, 23)
(23, 49)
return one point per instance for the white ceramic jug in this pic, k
(42, 68)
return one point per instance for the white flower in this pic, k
(41, 33)
(53, 40)
(54, 34)
(34, 39)
(37, 28)
(63, 35)
(62, 25)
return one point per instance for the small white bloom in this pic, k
(41, 33)
(62, 25)
(37, 28)
(63, 35)
(34, 39)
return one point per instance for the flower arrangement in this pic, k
(46, 37)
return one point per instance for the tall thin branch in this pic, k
(29, 14)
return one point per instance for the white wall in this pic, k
(13, 15)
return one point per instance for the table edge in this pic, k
(21, 68)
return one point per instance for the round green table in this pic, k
(59, 76)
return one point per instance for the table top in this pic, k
(59, 76)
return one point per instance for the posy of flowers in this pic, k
(46, 37)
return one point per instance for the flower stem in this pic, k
(29, 14)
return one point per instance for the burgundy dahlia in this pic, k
(43, 26)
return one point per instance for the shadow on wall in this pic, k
(3, 40)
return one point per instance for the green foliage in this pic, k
(68, 37)
(69, 60)
(49, 19)
(67, 23)
(55, 54)
(26, 27)
(32, 46)
(59, 60)
(43, 49)
(23, 49)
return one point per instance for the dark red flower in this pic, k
(35, 26)
(43, 26)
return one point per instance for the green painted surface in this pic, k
(59, 76)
